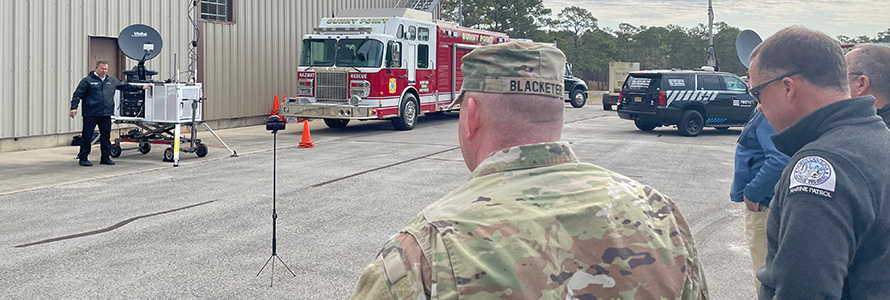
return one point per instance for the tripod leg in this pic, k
(264, 266)
(272, 277)
(285, 265)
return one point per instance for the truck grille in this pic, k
(331, 87)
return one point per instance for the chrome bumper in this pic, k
(329, 111)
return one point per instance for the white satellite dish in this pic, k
(745, 44)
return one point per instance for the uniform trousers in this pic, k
(86, 136)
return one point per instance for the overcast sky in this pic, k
(844, 17)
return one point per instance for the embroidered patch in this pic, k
(813, 174)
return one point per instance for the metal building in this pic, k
(247, 52)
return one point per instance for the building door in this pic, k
(105, 48)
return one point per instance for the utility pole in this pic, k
(460, 13)
(712, 53)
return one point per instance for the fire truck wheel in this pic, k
(408, 112)
(336, 123)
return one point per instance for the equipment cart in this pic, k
(159, 113)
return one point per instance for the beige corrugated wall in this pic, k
(247, 63)
(43, 53)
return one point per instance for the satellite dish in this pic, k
(140, 42)
(745, 44)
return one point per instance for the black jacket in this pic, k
(828, 231)
(884, 112)
(98, 95)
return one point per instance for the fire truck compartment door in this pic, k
(410, 58)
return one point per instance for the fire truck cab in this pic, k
(381, 64)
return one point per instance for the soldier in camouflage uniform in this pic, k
(533, 222)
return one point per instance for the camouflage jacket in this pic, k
(535, 223)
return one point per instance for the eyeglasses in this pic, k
(755, 91)
(855, 74)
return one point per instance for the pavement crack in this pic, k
(383, 167)
(583, 119)
(110, 228)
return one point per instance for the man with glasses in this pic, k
(828, 231)
(868, 66)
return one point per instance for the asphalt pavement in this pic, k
(147, 230)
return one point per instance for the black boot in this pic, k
(85, 162)
(106, 161)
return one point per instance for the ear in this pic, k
(790, 86)
(474, 117)
(862, 84)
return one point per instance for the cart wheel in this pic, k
(144, 147)
(201, 151)
(116, 151)
(168, 154)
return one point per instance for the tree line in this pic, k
(590, 48)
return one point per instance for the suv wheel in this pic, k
(691, 123)
(578, 98)
(644, 126)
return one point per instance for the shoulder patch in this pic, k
(815, 175)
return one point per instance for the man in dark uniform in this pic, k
(828, 232)
(97, 92)
(868, 66)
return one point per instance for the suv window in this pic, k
(734, 84)
(676, 82)
(709, 82)
(641, 82)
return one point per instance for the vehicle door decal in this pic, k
(671, 96)
(713, 95)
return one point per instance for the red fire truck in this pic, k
(381, 64)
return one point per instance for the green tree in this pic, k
(684, 49)
(516, 18)
(576, 20)
(724, 43)
(883, 37)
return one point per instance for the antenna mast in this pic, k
(712, 53)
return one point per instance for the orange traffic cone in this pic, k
(275, 107)
(307, 140)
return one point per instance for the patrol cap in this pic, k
(514, 68)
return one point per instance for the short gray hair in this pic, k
(814, 54)
(873, 61)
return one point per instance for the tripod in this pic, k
(275, 125)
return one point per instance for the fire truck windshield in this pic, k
(342, 53)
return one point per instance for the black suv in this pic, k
(575, 89)
(691, 100)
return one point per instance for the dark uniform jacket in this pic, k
(829, 225)
(98, 95)
(884, 112)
